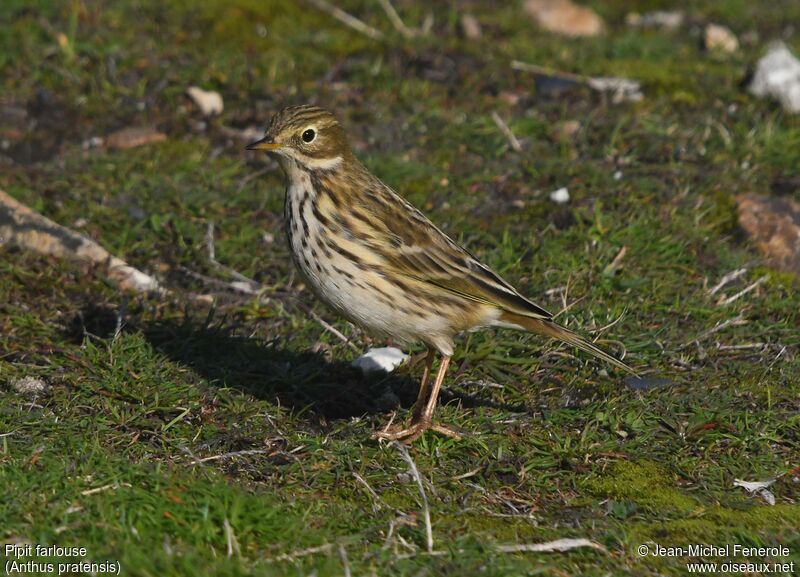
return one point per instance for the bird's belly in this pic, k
(355, 286)
(363, 297)
(367, 299)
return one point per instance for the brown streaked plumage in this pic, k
(378, 261)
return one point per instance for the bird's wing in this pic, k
(410, 245)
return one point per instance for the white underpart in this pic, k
(347, 288)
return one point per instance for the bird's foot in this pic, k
(414, 431)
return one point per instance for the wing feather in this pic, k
(412, 246)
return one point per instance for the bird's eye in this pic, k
(309, 135)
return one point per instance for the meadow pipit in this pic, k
(381, 263)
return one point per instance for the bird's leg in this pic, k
(422, 421)
(419, 404)
(427, 415)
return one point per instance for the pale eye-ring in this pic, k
(309, 135)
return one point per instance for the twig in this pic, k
(512, 140)
(418, 478)
(232, 454)
(376, 503)
(30, 230)
(744, 291)
(247, 285)
(743, 347)
(621, 89)
(555, 290)
(467, 475)
(546, 71)
(328, 327)
(557, 545)
(189, 452)
(301, 553)
(612, 267)
(104, 488)
(233, 544)
(123, 308)
(740, 320)
(609, 325)
(345, 563)
(212, 257)
(389, 536)
(347, 19)
(257, 174)
(729, 277)
(398, 23)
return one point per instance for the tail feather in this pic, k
(552, 329)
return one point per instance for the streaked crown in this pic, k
(307, 134)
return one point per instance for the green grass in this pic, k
(213, 440)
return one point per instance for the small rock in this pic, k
(565, 17)
(778, 75)
(30, 386)
(560, 196)
(470, 26)
(774, 225)
(404, 478)
(132, 137)
(93, 142)
(664, 19)
(718, 38)
(384, 359)
(621, 89)
(565, 131)
(268, 238)
(208, 101)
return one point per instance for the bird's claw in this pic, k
(415, 430)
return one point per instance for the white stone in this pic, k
(208, 101)
(384, 359)
(720, 38)
(778, 75)
(560, 196)
(30, 386)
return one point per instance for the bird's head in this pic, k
(308, 135)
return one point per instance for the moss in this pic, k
(645, 483)
(758, 523)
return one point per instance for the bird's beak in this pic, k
(266, 143)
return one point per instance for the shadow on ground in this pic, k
(301, 380)
(298, 379)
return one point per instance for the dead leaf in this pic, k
(565, 17)
(208, 101)
(774, 225)
(132, 137)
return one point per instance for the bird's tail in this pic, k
(552, 329)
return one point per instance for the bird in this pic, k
(378, 261)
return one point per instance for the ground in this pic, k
(179, 437)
